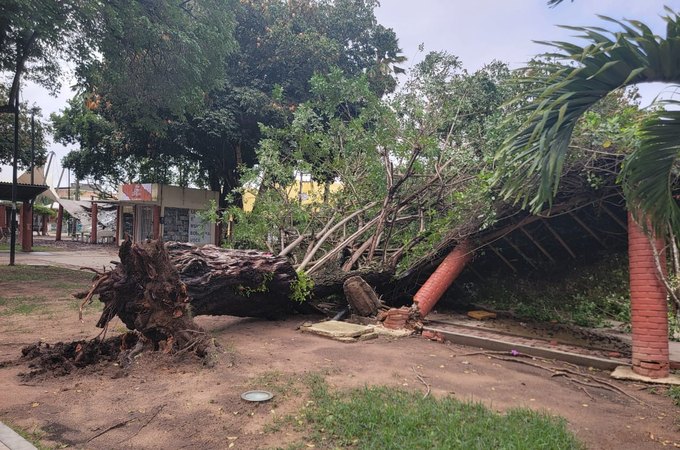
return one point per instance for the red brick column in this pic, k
(3, 217)
(60, 220)
(649, 315)
(429, 293)
(95, 222)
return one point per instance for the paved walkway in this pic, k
(97, 258)
(10, 440)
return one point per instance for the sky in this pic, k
(478, 32)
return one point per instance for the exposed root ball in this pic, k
(63, 358)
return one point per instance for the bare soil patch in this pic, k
(166, 402)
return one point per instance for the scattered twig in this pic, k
(564, 371)
(93, 270)
(112, 427)
(523, 362)
(587, 393)
(610, 385)
(88, 298)
(153, 416)
(422, 381)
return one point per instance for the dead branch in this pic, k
(422, 381)
(310, 254)
(153, 416)
(112, 427)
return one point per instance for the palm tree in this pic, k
(530, 162)
(576, 78)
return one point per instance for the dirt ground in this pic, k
(165, 402)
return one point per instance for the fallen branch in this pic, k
(587, 393)
(422, 381)
(153, 416)
(112, 427)
(564, 371)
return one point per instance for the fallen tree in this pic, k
(244, 283)
(157, 288)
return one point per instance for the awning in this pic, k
(25, 192)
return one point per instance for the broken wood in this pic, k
(361, 297)
(585, 227)
(559, 238)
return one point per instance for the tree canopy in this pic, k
(212, 124)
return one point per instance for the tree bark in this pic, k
(157, 288)
(243, 283)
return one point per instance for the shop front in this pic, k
(150, 211)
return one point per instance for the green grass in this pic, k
(47, 284)
(4, 246)
(21, 305)
(674, 393)
(34, 436)
(43, 275)
(389, 418)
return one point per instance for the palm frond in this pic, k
(650, 173)
(529, 163)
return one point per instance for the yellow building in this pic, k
(307, 190)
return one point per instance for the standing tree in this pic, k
(282, 46)
(157, 61)
(37, 35)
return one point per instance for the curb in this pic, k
(9, 439)
(495, 344)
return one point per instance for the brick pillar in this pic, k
(649, 315)
(60, 219)
(429, 293)
(26, 213)
(95, 221)
(156, 222)
(3, 217)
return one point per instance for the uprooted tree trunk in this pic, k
(157, 288)
(146, 293)
(244, 283)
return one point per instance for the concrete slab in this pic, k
(403, 332)
(337, 329)
(626, 373)
(10, 440)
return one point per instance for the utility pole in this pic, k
(32, 202)
(15, 156)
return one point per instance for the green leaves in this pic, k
(569, 83)
(650, 173)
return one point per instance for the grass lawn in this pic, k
(390, 418)
(4, 246)
(47, 285)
